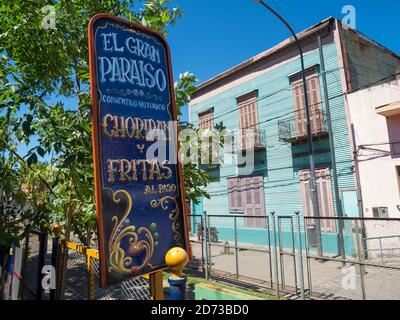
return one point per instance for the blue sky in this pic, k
(214, 35)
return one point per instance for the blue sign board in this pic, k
(139, 190)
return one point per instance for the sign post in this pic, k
(138, 179)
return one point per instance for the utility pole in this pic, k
(339, 210)
(313, 183)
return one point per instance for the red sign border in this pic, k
(95, 134)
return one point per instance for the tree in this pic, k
(44, 96)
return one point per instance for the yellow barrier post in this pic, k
(177, 259)
(91, 254)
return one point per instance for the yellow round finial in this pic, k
(177, 259)
(57, 229)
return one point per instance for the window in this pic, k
(324, 189)
(398, 179)
(248, 120)
(235, 195)
(393, 123)
(246, 195)
(206, 120)
(314, 100)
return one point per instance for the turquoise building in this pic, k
(264, 94)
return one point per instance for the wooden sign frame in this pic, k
(104, 281)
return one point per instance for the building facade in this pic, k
(265, 94)
(378, 150)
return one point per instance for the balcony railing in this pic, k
(246, 140)
(295, 129)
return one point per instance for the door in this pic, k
(253, 188)
(325, 200)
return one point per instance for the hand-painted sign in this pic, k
(139, 198)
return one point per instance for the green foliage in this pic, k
(45, 103)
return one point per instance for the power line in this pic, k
(289, 88)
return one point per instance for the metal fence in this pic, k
(77, 273)
(80, 281)
(307, 257)
(21, 274)
(35, 254)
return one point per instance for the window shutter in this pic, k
(306, 193)
(231, 197)
(248, 118)
(259, 207)
(326, 200)
(248, 202)
(239, 194)
(299, 108)
(206, 120)
(324, 189)
(314, 100)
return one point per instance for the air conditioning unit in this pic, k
(380, 212)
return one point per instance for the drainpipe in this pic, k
(364, 246)
(313, 184)
(357, 172)
(338, 202)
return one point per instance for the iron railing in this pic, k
(246, 140)
(294, 129)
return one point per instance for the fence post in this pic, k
(208, 231)
(24, 267)
(360, 261)
(281, 254)
(204, 238)
(54, 253)
(236, 248)
(41, 263)
(269, 252)
(203, 268)
(275, 254)
(294, 254)
(300, 256)
(91, 295)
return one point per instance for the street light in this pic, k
(313, 184)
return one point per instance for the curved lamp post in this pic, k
(313, 185)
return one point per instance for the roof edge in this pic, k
(267, 53)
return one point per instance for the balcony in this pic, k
(246, 140)
(294, 130)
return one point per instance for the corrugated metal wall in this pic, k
(281, 162)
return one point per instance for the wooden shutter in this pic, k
(259, 208)
(248, 205)
(315, 103)
(253, 202)
(231, 198)
(239, 195)
(248, 119)
(299, 108)
(324, 190)
(314, 100)
(306, 193)
(235, 195)
(206, 120)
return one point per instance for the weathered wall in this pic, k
(377, 166)
(281, 162)
(368, 62)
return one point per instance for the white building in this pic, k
(375, 115)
